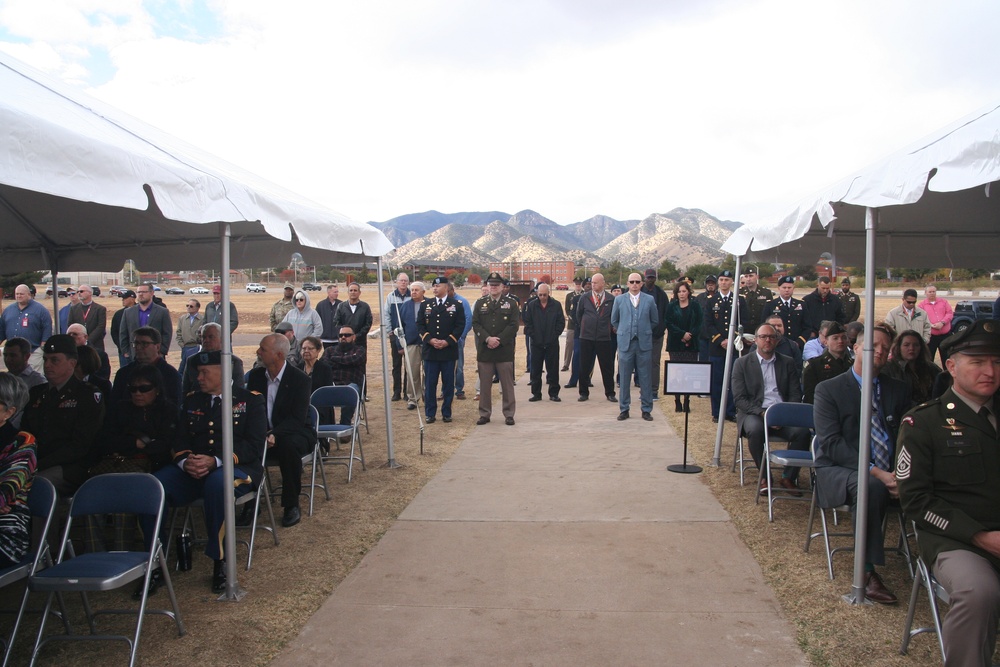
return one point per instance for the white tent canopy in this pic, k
(933, 204)
(84, 186)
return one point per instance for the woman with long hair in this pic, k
(683, 326)
(910, 360)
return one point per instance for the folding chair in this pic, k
(364, 404)
(784, 414)
(341, 397)
(745, 462)
(315, 459)
(935, 592)
(126, 493)
(254, 496)
(42, 501)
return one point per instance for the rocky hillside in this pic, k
(684, 236)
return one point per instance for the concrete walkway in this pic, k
(562, 540)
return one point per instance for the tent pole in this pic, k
(733, 315)
(384, 338)
(233, 591)
(857, 593)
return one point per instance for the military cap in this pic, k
(495, 278)
(289, 286)
(586, 281)
(616, 286)
(206, 359)
(63, 343)
(650, 273)
(983, 337)
(126, 294)
(845, 281)
(836, 328)
(441, 280)
(726, 274)
(786, 280)
(577, 281)
(283, 327)
(752, 271)
(711, 279)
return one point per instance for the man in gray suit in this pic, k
(633, 318)
(761, 379)
(144, 313)
(837, 416)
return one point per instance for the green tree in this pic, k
(12, 280)
(698, 272)
(668, 271)
(764, 269)
(807, 271)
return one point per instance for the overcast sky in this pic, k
(571, 108)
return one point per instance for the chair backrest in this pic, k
(42, 498)
(119, 493)
(337, 396)
(789, 414)
(314, 417)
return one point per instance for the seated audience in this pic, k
(814, 347)
(143, 426)
(146, 346)
(15, 358)
(347, 360)
(831, 363)
(87, 365)
(17, 470)
(210, 339)
(313, 364)
(79, 334)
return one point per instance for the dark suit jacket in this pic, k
(748, 385)
(360, 321)
(290, 414)
(837, 417)
(96, 322)
(159, 319)
(408, 313)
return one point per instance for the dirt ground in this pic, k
(289, 582)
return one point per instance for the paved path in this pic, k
(561, 540)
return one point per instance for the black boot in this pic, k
(678, 407)
(219, 577)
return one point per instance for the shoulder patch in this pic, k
(903, 462)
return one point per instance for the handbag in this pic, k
(117, 463)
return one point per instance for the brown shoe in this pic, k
(789, 486)
(876, 591)
(763, 487)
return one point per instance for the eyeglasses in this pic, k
(767, 336)
(634, 282)
(141, 388)
(345, 335)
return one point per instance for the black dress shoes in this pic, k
(396, 397)
(612, 398)
(219, 577)
(155, 581)
(647, 416)
(429, 420)
(554, 398)
(583, 397)
(569, 386)
(446, 420)
(623, 415)
(535, 398)
(482, 420)
(292, 516)
(509, 421)
(245, 517)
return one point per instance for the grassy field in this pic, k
(289, 582)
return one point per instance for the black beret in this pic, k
(786, 280)
(726, 274)
(206, 359)
(440, 280)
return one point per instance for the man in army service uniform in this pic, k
(948, 476)
(65, 415)
(850, 301)
(495, 321)
(791, 310)
(831, 363)
(757, 297)
(440, 323)
(197, 468)
(715, 327)
(571, 298)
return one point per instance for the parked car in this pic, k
(175, 290)
(96, 290)
(256, 287)
(198, 290)
(312, 287)
(967, 312)
(116, 290)
(562, 287)
(63, 294)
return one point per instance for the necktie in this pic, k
(985, 414)
(216, 402)
(880, 437)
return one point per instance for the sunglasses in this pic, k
(141, 389)
(300, 299)
(345, 335)
(634, 282)
(191, 306)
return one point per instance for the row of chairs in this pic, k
(801, 415)
(137, 493)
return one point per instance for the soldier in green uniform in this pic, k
(495, 321)
(571, 299)
(831, 363)
(948, 476)
(65, 415)
(757, 296)
(850, 301)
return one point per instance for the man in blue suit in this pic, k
(633, 318)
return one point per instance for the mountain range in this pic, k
(684, 236)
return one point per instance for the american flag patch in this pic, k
(935, 520)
